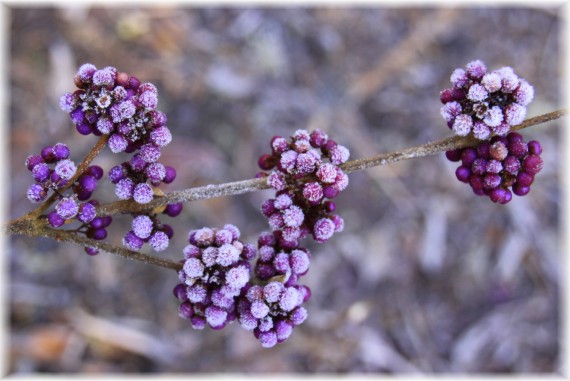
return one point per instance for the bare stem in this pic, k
(72, 237)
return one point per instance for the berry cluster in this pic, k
(273, 310)
(216, 269)
(485, 103)
(114, 103)
(306, 177)
(51, 169)
(216, 287)
(494, 166)
(277, 260)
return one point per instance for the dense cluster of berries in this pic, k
(273, 310)
(494, 166)
(306, 177)
(485, 103)
(216, 286)
(216, 269)
(114, 103)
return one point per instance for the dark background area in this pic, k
(427, 277)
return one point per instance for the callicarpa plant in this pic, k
(220, 278)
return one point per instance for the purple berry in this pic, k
(65, 169)
(124, 188)
(33, 160)
(91, 251)
(132, 242)
(170, 175)
(60, 151)
(532, 164)
(41, 172)
(67, 208)
(142, 193)
(159, 241)
(95, 171)
(86, 212)
(117, 173)
(55, 219)
(142, 226)
(453, 155)
(173, 210)
(87, 183)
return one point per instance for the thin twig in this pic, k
(244, 186)
(71, 237)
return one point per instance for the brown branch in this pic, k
(187, 195)
(72, 237)
(244, 186)
(39, 228)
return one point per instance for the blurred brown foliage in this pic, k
(426, 277)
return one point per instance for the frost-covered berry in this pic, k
(132, 241)
(142, 226)
(36, 193)
(124, 188)
(323, 229)
(161, 136)
(170, 174)
(61, 151)
(117, 143)
(67, 208)
(86, 212)
(41, 172)
(159, 241)
(65, 169)
(142, 193)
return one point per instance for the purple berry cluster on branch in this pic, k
(485, 103)
(114, 103)
(108, 102)
(306, 177)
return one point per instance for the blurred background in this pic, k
(426, 278)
